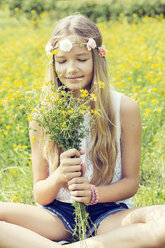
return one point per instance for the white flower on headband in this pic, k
(48, 48)
(91, 44)
(65, 45)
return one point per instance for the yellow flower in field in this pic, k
(55, 52)
(96, 112)
(70, 111)
(42, 108)
(154, 140)
(29, 117)
(15, 198)
(19, 146)
(47, 83)
(82, 111)
(154, 89)
(33, 139)
(93, 97)
(101, 84)
(64, 124)
(147, 112)
(24, 147)
(62, 92)
(154, 100)
(152, 81)
(8, 127)
(14, 145)
(85, 107)
(84, 93)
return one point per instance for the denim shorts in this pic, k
(97, 213)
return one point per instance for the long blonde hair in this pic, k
(103, 148)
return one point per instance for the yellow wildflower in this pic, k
(84, 94)
(85, 107)
(153, 100)
(42, 108)
(15, 198)
(33, 139)
(55, 52)
(70, 111)
(62, 92)
(8, 127)
(47, 83)
(93, 97)
(154, 89)
(101, 84)
(64, 124)
(147, 112)
(24, 147)
(96, 112)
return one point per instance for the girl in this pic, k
(103, 175)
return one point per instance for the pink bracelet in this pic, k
(94, 195)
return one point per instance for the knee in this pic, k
(2, 207)
(3, 211)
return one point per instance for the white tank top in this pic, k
(64, 195)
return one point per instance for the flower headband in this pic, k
(66, 46)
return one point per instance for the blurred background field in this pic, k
(134, 36)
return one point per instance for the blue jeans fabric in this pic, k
(97, 213)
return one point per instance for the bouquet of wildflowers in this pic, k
(62, 118)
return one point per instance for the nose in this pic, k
(72, 68)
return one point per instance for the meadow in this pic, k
(136, 58)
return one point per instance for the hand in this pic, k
(70, 165)
(80, 190)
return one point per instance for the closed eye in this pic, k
(82, 60)
(61, 62)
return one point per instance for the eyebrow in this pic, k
(79, 54)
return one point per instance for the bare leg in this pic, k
(135, 228)
(13, 236)
(35, 219)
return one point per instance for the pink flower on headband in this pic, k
(103, 51)
(91, 44)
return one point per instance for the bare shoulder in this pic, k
(129, 113)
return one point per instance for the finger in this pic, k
(83, 169)
(70, 161)
(73, 174)
(82, 152)
(80, 193)
(78, 180)
(70, 153)
(71, 168)
(82, 186)
(84, 200)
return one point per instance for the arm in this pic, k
(47, 186)
(130, 159)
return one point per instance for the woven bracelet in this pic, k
(94, 195)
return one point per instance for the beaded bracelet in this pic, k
(94, 195)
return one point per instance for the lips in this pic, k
(73, 78)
